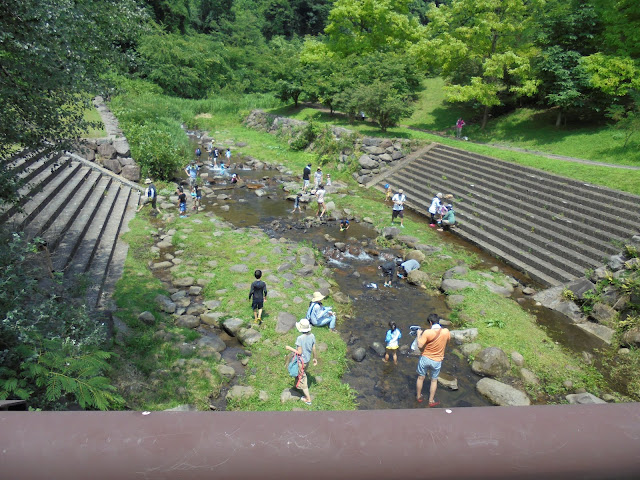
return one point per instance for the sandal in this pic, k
(433, 404)
(421, 399)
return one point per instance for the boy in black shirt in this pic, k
(259, 293)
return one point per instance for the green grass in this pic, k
(92, 115)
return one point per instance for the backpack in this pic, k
(198, 152)
(294, 367)
(152, 192)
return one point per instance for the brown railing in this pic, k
(541, 442)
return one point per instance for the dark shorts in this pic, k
(397, 213)
(257, 304)
(183, 207)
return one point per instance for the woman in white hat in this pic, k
(318, 315)
(306, 347)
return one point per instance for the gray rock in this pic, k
(379, 348)
(428, 249)
(196, 310)
(580, 287)
(359, 354)
(491, 362)
(340, 246)
(232, 326)
(604, 314)
(121, 147)
(459, 337)
(107, 151)
(449, 285)
(367, 162)
(616, 262)
(194, 290)
(503, 291)
(226, 371)
(263, 396)
(238, 392)
(165, 304)
(224, 208)
(470, 349)
(415, 255)
(131, 172)
(528, 377)
(418, 277)
(517, 359)
(457, 270)
(212, 304)
(583, 399)
(183, 282)
(239, 268)
(161, 265)
(306, 271)
(112, 164)
(284, 267)
(286, 322)
(147, 318)
(249, 336)
(632, 337)
(182, 302)
(212, 341)
(448, 381)
(502, 394)
(212, 318)
(408, 240)
(188, 321)
(339, 297)
(390, 232)
(307, 260)
(552, 298)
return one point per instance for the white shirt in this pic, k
(398, 200)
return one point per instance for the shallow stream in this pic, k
(379, 385)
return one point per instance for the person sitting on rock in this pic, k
(319, 315)
(408, 266)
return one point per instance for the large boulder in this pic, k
(491, 362)
(632, 337)
(107, 151)
(502, 290)
(502, 394)
(188, 321)
(249, 336)
(212, 318)
(131, 172)
(460, 337)
(122, 147)
(184, 282)
(232, 326)
(165, 304)
(458, 270)
(604, 314)
(367, 162)
(359, 354)
(390, 232)
(418, 277)
(213, 341)
(450, 285)
(580, 287)
(583, 399)
(415, 255)
(238, 392)
(553, 299)
(112, 165)
(286, 322)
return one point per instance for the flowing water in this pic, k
(379, 385)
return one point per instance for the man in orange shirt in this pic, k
(432, 343)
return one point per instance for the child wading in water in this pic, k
(259, 293)
(393, 335)
(296, 203)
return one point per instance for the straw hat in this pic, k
(400, 191)
(303, 325)
(439, 195)
(317, 296)
(147, 181)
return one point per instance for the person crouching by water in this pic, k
(389, 271)
(344, 224)
(393, 335)
(306, 347)
(432, 344)
(448, 219)
(319, 315)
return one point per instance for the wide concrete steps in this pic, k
(550, 227)
(80, 212)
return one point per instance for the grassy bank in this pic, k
(177, 376)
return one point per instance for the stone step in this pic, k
(568, 232)
(55, 206)
(555, 185)
(63, 221)
(530, 192)
(116, 267)
(35, 178)
(74, 237)
(515, 245)
(98, 267)
(83, 256)
(37, 202)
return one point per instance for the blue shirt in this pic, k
(306, 341)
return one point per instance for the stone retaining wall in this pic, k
(373, 154)
(112, 152)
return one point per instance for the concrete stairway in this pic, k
(551, 227)
(80, 210)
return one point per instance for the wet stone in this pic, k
(359, 354)
(378, 348)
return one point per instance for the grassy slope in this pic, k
(92, 115)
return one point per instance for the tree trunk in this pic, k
(485, 117)
(559, 118)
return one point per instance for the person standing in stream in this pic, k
(259, 293)
(306, 173)
(432, 343)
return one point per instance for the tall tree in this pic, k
(365, 26)
(483, 48)
(52, 53)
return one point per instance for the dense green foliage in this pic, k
(50, 349)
